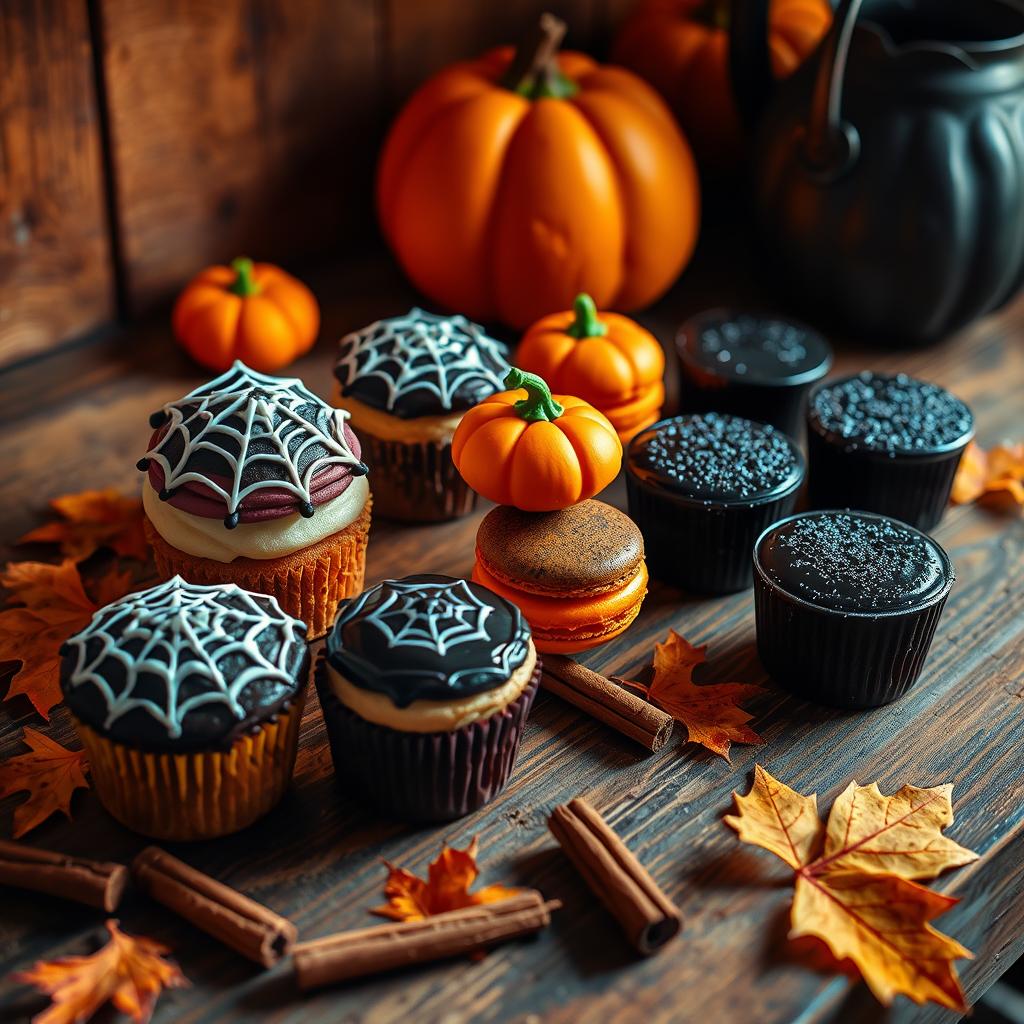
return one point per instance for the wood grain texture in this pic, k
(56, 279)
(79, 420)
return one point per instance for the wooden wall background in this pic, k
(142, 139)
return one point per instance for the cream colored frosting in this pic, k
(387, 427)
(432, 715)
(209, 538)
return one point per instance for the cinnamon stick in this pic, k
(606, 701)
(647, 916)
(239, 922)
(95, 883)
(365, 951)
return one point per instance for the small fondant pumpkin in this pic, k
(510, 182)
(539, 452)
(606, 359)
(682, 48)
(254, 312)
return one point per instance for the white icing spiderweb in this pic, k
(246, 431)
(177, 632)
(423, 351)
(436, 616)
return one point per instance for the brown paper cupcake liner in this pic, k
(423, 776)
(416, 482)
(309, 584)
(195, 795)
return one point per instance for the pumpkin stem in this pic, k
(586, 323)
(245, 285)
(534, 71)
(538, 403)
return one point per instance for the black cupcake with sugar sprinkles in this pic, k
(425, 685)
(406, 382)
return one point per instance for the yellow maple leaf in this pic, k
(446, 887)
(129, 971)
(50, 773)
(710, 712)
(855, 888)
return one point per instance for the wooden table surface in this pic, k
(77, 420)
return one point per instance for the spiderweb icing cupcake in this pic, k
(254, 480)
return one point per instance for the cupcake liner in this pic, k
(837, 658)
(197, 794)
(309, 584)
(416, 482)
(702, 549)
(912, 488)
(423, 777)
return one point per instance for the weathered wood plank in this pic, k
(56, 278)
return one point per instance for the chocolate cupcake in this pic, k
(751, 365)
(425, 685)
(846, 605)
(887, 444)
(702, 488)
(406, 381)
(188, 701)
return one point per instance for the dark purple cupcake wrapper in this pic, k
(416, 777)
(415, 482)
(845, 661)
(703, 550)
(909, 487)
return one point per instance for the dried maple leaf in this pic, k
(54, 605)
(91, 520)
(996, 475)
(710, 712)
(446, 887)
(855, 887)
(50, 773)
(129, 971)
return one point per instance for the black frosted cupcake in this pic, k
(887, 444)
(425, 685)
(750, 365)
(701, 489)
(406, 382)
(188, 700)
(846, 605)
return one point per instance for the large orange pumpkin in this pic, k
(534, 450)
(508, 185)
(682, 48)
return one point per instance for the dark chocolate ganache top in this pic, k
(854, 562)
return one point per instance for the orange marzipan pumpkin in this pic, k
(604, 358)
(250, 311)
(681, 47)
(534, 450)
(504, 192)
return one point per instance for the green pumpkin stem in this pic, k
(245, 285)
(534, 71)
(586, 323)
(538, 403)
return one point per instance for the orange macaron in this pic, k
(578, 574)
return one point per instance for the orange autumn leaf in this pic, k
(50, 774)
(710, 712)
(446, 887)
(856, 879)
(53, 605)
(996, 475)
(91, 520)
(129, 971)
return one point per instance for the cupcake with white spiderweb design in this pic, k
(406, 381)
(254, 480)
(188, 700)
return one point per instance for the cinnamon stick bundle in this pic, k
(647, 916)
(95, 883)
(239, 922)
(606, 701)
(365, 951)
